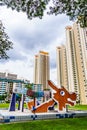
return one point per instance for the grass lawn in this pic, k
(55, 124)
(6, 105)
(78, 107)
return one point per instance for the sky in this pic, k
(29, 37)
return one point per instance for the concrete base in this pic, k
(17, 116)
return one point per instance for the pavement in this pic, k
(18, 116)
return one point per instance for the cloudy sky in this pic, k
(30, 36)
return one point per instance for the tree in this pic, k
(29, 86)
(75, 9)
(3, 96)
(5, 44)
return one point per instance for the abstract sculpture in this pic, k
(61, 96)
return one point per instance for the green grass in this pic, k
(78, 107)
(6, 105)
(55, 124)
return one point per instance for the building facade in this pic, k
(80, 42)
(8, 81)
(76, 53)
(41, 69)
(62, 67)
(71, 62)
(36, 69)
(3, 84)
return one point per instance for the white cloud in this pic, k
(30, 36)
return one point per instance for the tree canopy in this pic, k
(5, 44)
(75, 9)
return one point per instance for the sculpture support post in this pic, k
(12, 104)
(22, 103)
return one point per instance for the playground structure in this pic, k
(40, 110)
(17, 91)
(60, 96)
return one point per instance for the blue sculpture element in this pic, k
(12, 103)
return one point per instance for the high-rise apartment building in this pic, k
(62, 67)
(76, 53)
(36, 68)
(71, 62)
(80, 43)
(41, 69)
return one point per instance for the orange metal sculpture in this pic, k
(61, 96)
